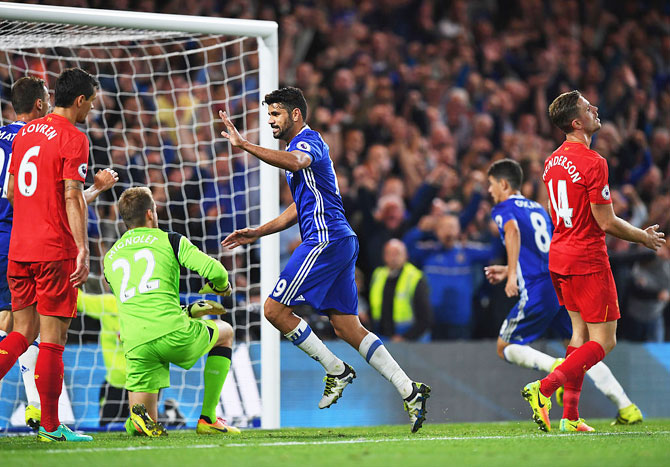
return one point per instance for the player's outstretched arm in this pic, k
(102, 181)
(249, 235)
(77, 216)
(293, 161)
(614, 225)
(191, 257)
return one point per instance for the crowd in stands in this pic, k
(416, 98)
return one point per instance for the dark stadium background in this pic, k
(412, 91)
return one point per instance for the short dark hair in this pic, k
(288, 98)
(73, 83)
(25, 92)
(133, 205)
(509, 170)
(564, 110)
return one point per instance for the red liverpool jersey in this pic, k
(46, 152)
(575, 177)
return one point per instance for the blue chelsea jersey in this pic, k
(536, 229)
(7, 134)
(315, 192)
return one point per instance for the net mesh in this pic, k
(155, 122)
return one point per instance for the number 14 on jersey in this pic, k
(562, 209)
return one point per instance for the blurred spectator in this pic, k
(448, 263)
(414, 97)
(223, 203)
(399, 297)
(648, 298)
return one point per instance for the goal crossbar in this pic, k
(140, 20)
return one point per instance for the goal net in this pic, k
(156, 123)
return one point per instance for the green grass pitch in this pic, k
(514, 444)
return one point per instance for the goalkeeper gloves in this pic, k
(204, 307)
(211, 288)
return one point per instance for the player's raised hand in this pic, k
(654, 239)
(240, 237)
(105, 179)
(231, 134)
(80, 274)
(496, 273)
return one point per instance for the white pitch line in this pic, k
(349, 441)
(434, 438)
(132, 448)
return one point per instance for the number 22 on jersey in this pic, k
(562, 209)
(145, 284)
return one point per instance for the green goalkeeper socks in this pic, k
(216, 370)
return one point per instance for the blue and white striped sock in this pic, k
(374, 352)
(303, 338)
(27, 362)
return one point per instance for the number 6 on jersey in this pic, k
(25, 168)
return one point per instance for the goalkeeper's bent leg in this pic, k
(216, 369)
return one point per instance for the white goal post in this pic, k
(265, 33)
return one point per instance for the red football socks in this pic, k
(573, 368)
(573, 389)
(49, 382)
(11, 348)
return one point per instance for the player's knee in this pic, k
(28, 328)
(274, 311)
(271, 311)
(578, 340)
(339, 332)
(348, 328)
(226, 334)
(609, 344)
(342, 329)
(271, 315)
(6, 321)
(500, 348)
